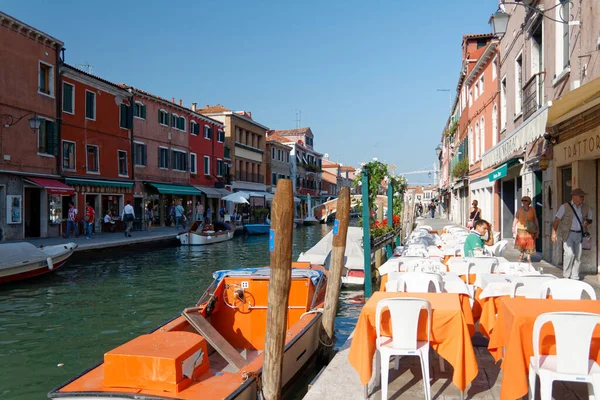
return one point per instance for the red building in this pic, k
(174, 149)
(30, 194)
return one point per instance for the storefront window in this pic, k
(55, 208)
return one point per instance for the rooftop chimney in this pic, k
(172, 99)
(180, 102)
(194, 106)
(207, 106)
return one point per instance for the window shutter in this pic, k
(210, 133)
(185, 162)
(167, 119)
(123, 118)
(88, 105)
(167, 158)
(143, 154)
(159, 115)
(52, 136)
(144, 111)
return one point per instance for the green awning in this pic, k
(501, 172)
(94, 182)
(164, 188)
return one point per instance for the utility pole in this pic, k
(298, 118)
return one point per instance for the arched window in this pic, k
(494, 125)
(482, 135)
(476, 141)
(471, 149)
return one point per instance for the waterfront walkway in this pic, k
(339, 380)
(106, 239)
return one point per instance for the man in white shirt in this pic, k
(570, 223)
(128, 216)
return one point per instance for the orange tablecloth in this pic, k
(449, 335)
(464, 303)
(485, 310)
(514, 330)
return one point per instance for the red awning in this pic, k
(53, 186)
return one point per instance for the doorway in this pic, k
(508, 207)
(538, 204)
(32, 212)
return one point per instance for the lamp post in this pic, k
(499, 22)
(8, 120)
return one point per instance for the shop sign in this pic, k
(499, 173)
(581, 147)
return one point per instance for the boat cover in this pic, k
(314, 275)
(321, 252)
(15, 254)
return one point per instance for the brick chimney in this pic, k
(180, 102)
(173, 100)
(207, 106)
(194, 106)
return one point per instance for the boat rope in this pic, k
(314, 311)
(256, 376)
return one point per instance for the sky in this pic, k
(365, 75)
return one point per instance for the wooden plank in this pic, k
(212, 336)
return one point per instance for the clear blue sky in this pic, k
(364, 74)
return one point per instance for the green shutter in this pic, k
(144, 111)
(52, 137)
(123, 116)
(143, 154)
(168, 119)
(159, 117)
(67, 98)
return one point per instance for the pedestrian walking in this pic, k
(432, 209)
(199, 211)
(149, 216)
(208, 215)
(72, 220)
(171, 214)
(128, 216)
(180, 216)
(474, 214)
(525, 229)
(89, 218)
(222, 213)
(570, 225)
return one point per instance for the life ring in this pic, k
(50, 263)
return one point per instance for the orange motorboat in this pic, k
(214, 350)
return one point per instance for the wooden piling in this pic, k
(366, 216)
(338, 250)
(280, 246)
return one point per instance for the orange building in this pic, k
(30, 192)
(96, 157)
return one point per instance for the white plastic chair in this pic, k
(573, 332)
(426, 227)
(514, 268)
(567, 289)
(404, 319)
(428, 265)
(415, 252)
(479, 268)
(420, 282)
(497, 249)
(529, 286)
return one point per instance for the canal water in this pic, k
(55, 327)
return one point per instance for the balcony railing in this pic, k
(531, 96)
(249, 177)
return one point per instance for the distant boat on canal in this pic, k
(200, 234)
(23, 260)
(257, 229)
(214, 349)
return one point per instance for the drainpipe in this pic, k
(59, 95)
(131, 121)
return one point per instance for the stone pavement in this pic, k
(339, 380)
(107, 239)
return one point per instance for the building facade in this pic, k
(95, 147)
(29, 158)
(278, 163)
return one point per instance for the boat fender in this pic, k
(50, 263)
(210, 306)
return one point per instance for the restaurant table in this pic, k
(450, 336)
(514, 330)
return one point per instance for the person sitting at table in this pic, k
(474, 240)
(109, 224)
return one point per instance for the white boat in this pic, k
(23, 260)
(353, 273)
(199, 235)
(310, 219)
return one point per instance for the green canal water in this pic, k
(100, 300)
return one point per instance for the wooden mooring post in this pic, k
(366, 223)
(338, 251)
(280, 247)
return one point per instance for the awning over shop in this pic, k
(212, 192)
(574, 102)
(94, 182)
(501, 172)
(164, 188)
(53, 186)
(533, 128)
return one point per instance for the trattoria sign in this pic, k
(581, 147)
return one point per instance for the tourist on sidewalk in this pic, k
(89, 220)
(474, 240)
(199, 211)
(180, 216)
(474, 214)
(432, 209)
(570, 225)
(72, 220)
(128, 216)
(149, 216)
(109, 224)
(208, 218)
(525, 229)
(171, 214)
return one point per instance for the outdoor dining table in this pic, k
(450, 336)
(513, 332)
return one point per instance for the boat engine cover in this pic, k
(158, 361)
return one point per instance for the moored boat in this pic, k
(214, 350)
(23, 260)
(257, 229)
(200, 234)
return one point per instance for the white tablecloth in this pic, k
(451, 283)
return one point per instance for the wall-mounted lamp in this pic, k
(544, 162)
(550, 139)
(499, 20)
(8, 120)
(438, 150)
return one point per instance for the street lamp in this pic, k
(499, 22)
(10, 120)
(438, 150)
